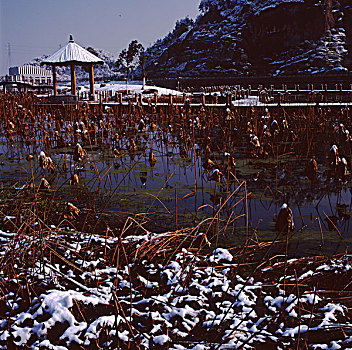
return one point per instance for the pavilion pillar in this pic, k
(91, 82)
(73, 79)
(54, 80)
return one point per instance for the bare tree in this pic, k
(130, 58)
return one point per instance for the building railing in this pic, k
(29, 80)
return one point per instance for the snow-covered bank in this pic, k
(133, 87)
(88, 296)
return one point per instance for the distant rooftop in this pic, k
(72, 53)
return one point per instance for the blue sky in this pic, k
(36, 27)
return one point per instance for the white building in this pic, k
(32, 74)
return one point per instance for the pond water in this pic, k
(179, 191)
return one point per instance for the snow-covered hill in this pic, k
(241, 37)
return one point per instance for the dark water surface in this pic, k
(129, 183)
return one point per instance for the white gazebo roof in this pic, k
(72, 53)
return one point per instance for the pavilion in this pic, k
(71, 55)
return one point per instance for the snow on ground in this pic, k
(116, 86)
(189, 302)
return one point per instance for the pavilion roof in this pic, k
(72, 53)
